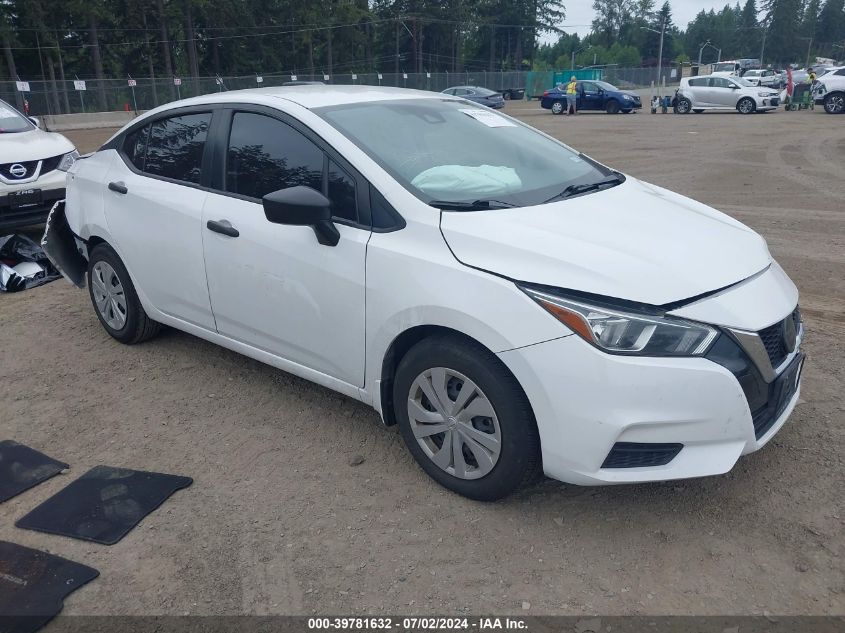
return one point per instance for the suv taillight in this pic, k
(545, 93)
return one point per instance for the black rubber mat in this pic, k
(104, 504)
(22, 467)
(33, 586)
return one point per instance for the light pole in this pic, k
(580, 50)
(705, 45)
(662, 32)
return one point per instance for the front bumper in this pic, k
(52, 189)
(713, 409)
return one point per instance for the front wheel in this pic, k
(465, 418)
(834, 103)
(506, 96)
(114, 298)
(557, 107)
(746, 105)
(612, 107)
(683, 106)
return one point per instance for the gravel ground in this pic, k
(279, 521)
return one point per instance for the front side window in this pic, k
(175, 147)
(719, 82)
(697, 82)
(266, 155)
(446, 150)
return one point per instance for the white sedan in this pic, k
(33, 166)
(511, 304)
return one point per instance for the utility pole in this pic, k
(763, 47)
(809, 44)
(660, 54)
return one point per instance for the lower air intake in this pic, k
(639, 455)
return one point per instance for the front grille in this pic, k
(638, 455)
(49, 164)
(29, 166)
(774, 338)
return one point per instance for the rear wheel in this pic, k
(506, 95)
(557, 107)
(115, 300)
(746, 105)
(834, 103)
(465, 419)
(612, 107)
(683, 106)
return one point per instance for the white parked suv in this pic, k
(829, 91)
(714, 92)
(511, 304)
(33, 166)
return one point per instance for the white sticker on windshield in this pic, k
(488, 118)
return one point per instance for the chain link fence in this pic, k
(65, 97)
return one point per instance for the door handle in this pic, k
(118, 187)
(223, 227)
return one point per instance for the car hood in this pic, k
(634, 241)
(630, 93)
(17, 147)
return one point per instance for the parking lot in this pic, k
(282, 519)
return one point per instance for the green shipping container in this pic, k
(539, 81)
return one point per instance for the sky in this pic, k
(579, 13)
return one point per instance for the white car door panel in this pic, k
(274, 286)
(157, 222)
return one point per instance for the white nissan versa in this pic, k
(32, 169)
(510, 303)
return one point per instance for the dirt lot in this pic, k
(278, 521)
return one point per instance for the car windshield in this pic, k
(11, 120)
(721, 68)
(742, 82)
(753, 73)
(442, 150)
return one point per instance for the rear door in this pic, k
(273, 286)
(153, 201)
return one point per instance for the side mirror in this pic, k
(34, 121)
(302, 206)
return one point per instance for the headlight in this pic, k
(68, 160)
(622, 332)
(763, 94)
(628, 97)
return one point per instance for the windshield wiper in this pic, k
(476, 205)
(574, 190)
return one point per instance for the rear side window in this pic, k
(135, 146)
(175, 147)
(266, 155)
(698, 82)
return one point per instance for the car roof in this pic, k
(307, 96)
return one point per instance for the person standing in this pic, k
(572, 95)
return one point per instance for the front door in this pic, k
(273, 286)
(591, 97)
(153, 206)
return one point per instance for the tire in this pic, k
(612, 107)
(115, 300)
(698, 110)
(557, 107)
(746, 105)
(683, 106)
(834, 103)
(510, 455)
(506, 95)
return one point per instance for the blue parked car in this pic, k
(490, 98)
(592, 95)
